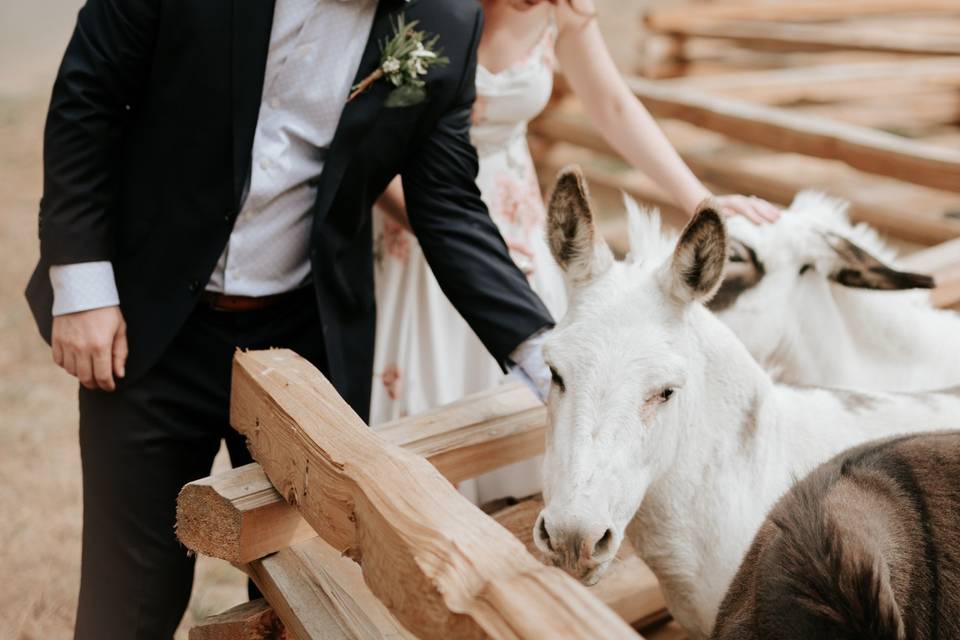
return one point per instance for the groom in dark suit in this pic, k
(207, 187)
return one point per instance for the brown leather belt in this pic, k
(224, 302)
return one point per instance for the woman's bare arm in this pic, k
(624, 122)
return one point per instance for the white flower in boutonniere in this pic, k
(405, 57)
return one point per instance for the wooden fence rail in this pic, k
(862, 148)
(441, 566)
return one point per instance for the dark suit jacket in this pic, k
(147, 150)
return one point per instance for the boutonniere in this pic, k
(404, 57)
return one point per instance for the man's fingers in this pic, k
(103, 369)
(120, 351)
(57, 353)
(84, 364)
(70, 362)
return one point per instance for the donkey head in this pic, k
(621, 361)
(779, 275)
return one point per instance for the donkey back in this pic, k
(866, 546)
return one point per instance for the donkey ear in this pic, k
(854, 267)
(571, 232)
(696, 269)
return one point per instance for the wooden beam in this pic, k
(239, 516)
(441, 566)
(476, 434)
(737, 176)
(254, 620)
(672, 19)
(829, 82)
(821, 37)
(320, 595)
(859, 147)
(943, 262)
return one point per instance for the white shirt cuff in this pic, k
(83, 286)
(529, 365)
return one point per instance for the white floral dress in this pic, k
(426, 355)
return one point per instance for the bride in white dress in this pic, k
(426, 355)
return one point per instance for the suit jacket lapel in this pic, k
(252, 23)
(359, 112)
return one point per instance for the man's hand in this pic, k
(91, 346)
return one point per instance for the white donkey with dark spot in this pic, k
(818, 301)
(661, 419)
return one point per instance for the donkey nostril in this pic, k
(603, 544)
(544, 536)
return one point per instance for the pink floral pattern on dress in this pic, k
(396, 239)
(391, 379)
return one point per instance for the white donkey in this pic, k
(818, 301)
(661, 418)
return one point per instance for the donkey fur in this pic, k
(866, 546)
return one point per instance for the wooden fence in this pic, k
(352, 533)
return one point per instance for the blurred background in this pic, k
(860, 98)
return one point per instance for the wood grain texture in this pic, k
(239, 516)
(943, 263)
(441, 566)
(767, 180)
(784, 36)
(862, 148)
(254, 620)
(829, 82)
(672, 19)
(321, 595)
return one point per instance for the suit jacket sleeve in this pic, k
(106, 63)
(461, 243)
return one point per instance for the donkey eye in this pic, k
(665, 395)
(557, 380)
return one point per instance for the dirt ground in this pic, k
(40, 496)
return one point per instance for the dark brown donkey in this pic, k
(866, 546)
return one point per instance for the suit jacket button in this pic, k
(227, 216)
(194, 286)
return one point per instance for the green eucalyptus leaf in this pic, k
(405, 96)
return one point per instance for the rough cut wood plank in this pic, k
(476, 434)
(441, 566)
(820, 37)
(670, 19)
(776, 128)
(629, 587)
(828, 82)
(254, 620)
(770, 183)
(321, 595)
(238, 516)
(943, 262)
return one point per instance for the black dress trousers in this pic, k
(142, 443)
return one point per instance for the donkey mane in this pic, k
(648, 240)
